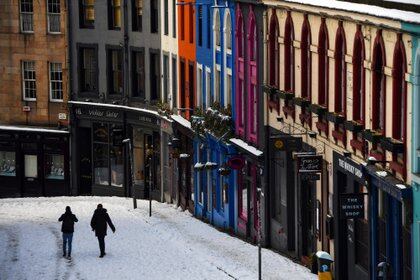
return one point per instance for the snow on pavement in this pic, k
(169, 245)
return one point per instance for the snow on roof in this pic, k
(401, 186)
(179, 119)
(361, 8)
(32, 129)
(116, 106)
(246, 147)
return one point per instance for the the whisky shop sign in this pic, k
(97, 113)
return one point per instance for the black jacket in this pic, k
(99, 220)
(68, 219)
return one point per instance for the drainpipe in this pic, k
(70, 88)
(127, 163)
(126, 46)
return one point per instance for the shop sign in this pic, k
(166, 126)
(310, 176)
(352, 206)
(309, 163)
(352, 169)
(97, 113)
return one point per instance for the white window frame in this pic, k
(52, 99)
(29, 14)
(208, 87)
(199, 82)
(227, 98)
(54, 14)
(227, 31)
(218, 87)
(23, 81)
(216, 30)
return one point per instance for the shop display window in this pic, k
(31, 166)
(7, 163)
(138, 156)
(100, 163)
(54, 167)
(117, 166)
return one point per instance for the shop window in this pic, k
(53, 16)
(137, 15)
(154, 76)
(117, 166)
(56, 82)
(274, 51)
(114, 14)
(54, 167)
(115, 72)
(138, 156)
(31, 166)
(154, 16)
(26, 16)
(101, 153)
(86, 13)
(138, 74)
(378, 84)
(243, 197)
(361, 230)
(29, 80)
(7, 163)
(88, 74)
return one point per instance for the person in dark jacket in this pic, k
(67, 227)
(99, 223)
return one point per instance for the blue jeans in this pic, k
(67, 238)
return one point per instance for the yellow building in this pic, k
(337, 78)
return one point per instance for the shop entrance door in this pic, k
(308, 217)
(31, 182)
(85, 161)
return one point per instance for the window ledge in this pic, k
(56, 100)
(54, 33)
(27, 32)
(30, 99)
(397, 167)
(322, 126)
(338, 135)
(356, 144)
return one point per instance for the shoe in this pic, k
(64, 254)
(102, 255)
(69, 256)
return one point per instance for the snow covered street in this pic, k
(169, 245)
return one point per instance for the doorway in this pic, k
(308, 206)
(85, 161)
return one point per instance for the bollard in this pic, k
(324, 265)
(384, 271)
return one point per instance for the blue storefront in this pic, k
(389, 223)
(214, 181)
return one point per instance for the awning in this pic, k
(388, 183)
(33, 129)
(245, 147)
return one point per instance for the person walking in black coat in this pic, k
(67, 227)
(99, 223)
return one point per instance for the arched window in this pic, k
(378, 85)
(289, 63)
(399, 105)
(274, 60)
(240, 73)
(306, 59)
(252, 77)
(340, 71)
(358, 89)
(216, 28)
(358, 78)
(323, 65)
(227, 39)
(228, 31)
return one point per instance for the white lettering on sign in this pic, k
(350, 168)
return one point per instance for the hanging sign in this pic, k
(309, 164)
(236, 163)
(352, 206)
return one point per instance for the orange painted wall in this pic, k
(186, 53)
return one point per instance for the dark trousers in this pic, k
(67, 238)
(101, 240)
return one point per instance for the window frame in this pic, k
(154, 16)
(112, 10)
(156, 54)
(274, 51)
(30, 16)
(141, 95)
(23, 63)
(378, 76)
(50, 64)
(199, 83)
(110, 49)
(94, 47)
(136, 18)
(49, 14)
(83, 22)
(240, 88)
